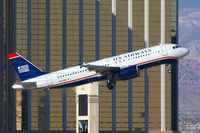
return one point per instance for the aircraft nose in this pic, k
(186, 51)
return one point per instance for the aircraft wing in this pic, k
(101, 69)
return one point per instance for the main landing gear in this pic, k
(110, 81)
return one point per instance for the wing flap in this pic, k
(101, 69)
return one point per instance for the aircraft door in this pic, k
(163, 50)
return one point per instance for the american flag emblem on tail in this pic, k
(23, 69)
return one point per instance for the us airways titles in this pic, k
(137, 54)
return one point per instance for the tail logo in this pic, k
(23, 69)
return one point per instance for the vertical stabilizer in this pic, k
(23, 67)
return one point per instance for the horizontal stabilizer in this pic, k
(25, 85)
(29, 85)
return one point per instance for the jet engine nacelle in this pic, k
(127, 73)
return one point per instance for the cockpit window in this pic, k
(175, 47)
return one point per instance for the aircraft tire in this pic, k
(110, 86)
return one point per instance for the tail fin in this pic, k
(23, 67)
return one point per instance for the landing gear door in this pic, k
(163, 49)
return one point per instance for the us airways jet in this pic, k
(121, 67)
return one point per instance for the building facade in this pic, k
(55, 34)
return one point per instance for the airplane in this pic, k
(121, 67)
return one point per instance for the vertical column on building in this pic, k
(97, 21)
(1, 64)
(29, 58)
(174, 82)
(15, 48)
(47, 99)
(130, 48)
(80, 31)
(93, 108)
(9, 47)
(162, 67)
(7, 63)
(146, 74)
(113, 54)
(64, 61)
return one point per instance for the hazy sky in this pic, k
(189, 22)
(194, 4)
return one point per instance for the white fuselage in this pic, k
(137, 58)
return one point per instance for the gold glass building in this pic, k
(55, 34)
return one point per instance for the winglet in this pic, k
(13, 55)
